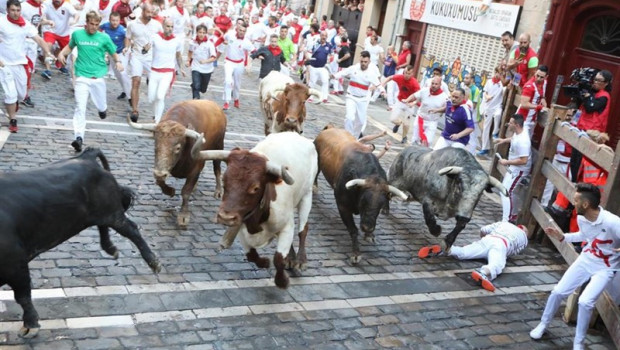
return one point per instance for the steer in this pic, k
(359, 182)
(174, 138)
(283, 102)
(447, 182)
(263, 188)
(41, 208)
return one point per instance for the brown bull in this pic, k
(284, 103)
(174, 137)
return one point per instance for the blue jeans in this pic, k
(200, 82)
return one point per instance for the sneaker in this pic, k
(226, 106)
(134, 117)
(27, 102)
(425, 252)
(395, 128)
(404, 140)
(496, 136)
(236, 103)
(121, 96)
(13, 126)
(46, 74)
(538, 332)
(64, 71)
(103, 114)
(77, 144)
(484, 152)
(483, 280)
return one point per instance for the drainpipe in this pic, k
(399, 13)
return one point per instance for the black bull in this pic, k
(41, 208)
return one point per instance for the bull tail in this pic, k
(92, 153)
(128, 197)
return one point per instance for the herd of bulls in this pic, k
(262, 189)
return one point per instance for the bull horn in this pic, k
(276, 89)
(497, 184)
(197, 144)
(148, 126)
(451, 170)
(355, 182)
(192, 133)
(280, 171)
(211, 155)
(315, 92)
(395, 191)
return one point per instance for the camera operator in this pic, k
(594, 112)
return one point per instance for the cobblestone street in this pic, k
(210, 299)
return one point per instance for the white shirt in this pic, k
(206, 20)
(601, 236)
(256, 31)
(495, 91)
(374, 52)
(201, 52)
(269, 31)
(357, 76)
(513, 237)
(331, 33)
(105, 13)
(141, 34)
(181, 21)
(61, 17)
(13, 41)
(32, 14)
(428, 101)
(237, 48)
(520, 146)
(164, 51)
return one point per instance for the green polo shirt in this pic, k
(90, 62)
(288, 48)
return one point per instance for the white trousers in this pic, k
(159, 83)
(122, 77)
(443, 143)
(14, 82)
(337, 83)
(392, 93)
(430, 129)
(576, 275)
(84, 87)
(491, 248)
(529, 126)
(232, 80)
(473, 138)
(355, 118)
(563, 169)
(319, 74)
(491, 118)
(402, 113)
(510, 182)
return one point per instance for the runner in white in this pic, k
(236, 53)
(498, 241)
(598, 262)
(167, 49)
(62, 16)
(14, 30)
(140, 34)
(203, 15)
(32, 11)
(491, 110)
(180, 19)
(363, 79)
(430, 101)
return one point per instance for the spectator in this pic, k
(509, 44)
(491, 110)
(459, 123)
(524, 60)
(533, 98)
(271, 57)
(200, 58)
(376, 51)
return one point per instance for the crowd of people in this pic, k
(157, 40)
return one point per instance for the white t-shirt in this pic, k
(520, 146)
(256, 31)
(61, 17)
(495, 90)
(237, 48)
(164, 51)
(374, 52)
(141, 34)
(105, 13)
(206, 20)
(32, 14)
(601, 236)
(428, 101)
(181, 21)
(362, 78)
(201, 52)
(13, 41)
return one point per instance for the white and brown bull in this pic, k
(263, 190)
(175, 135)
(284, 102)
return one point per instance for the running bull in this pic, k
(263, 188)
(174, 139)
(283, 102)
(359, 182)
(447, 182)
(41, 208)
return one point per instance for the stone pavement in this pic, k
(207, 299)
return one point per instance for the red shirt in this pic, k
(522, 68)
(405, 87)
(223, 23)
(402, 57)
(124, 10)
(298, 29)
(535, 93)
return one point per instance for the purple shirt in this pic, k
(457, 120)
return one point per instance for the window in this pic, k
(602, 34)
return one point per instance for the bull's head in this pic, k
(249, 186)
(374, 195)
(289, 105)
(171, 139)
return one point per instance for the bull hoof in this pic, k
(355, 259)
(301, 266)
(282, 280)
(290, 264)
(217, 194)
(225, 243)
(183, 219)
(28, 333)
(115, 255)
(370, 238)
(262, 263)
(435, 231)
(169, 191)
(444, 246)
(155, 266)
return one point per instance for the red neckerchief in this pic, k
(275, 50)
(198, 41)
(56, 7)
(200, 15)
(344, 44)
(454, 107)
(255, 21)
(181, 10)
(239, 38)
(34, 4)
(161, 34)
(495, 80)
(304, 17)
(159, 19)
(288, 12)
(439, 91)
(20, 21)
(103, 4)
